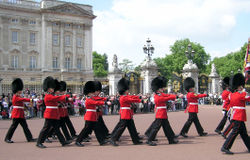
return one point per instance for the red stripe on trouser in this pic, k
(229, 129)
(232, 138)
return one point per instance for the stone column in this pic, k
(191, 70)
(149, 72)
(43, 44)
(61, 48)
(114, 76)
(169, 86)
(1, 90)
(215, 78)
(74, 49)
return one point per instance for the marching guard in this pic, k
(126, 114)
(161, 118)
(65, 117)
(17, 114)
(238, 103)
(192, 108)
(90, 116)
(226, 105)
(51, 113)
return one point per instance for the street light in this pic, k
(189, 52)
(148, 49)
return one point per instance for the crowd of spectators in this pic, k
(77, 108)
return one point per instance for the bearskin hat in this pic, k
(17, 85)
(225, 83)
(158, 82)
(189, 83)
(237, 80)
(63, 86)
(98, 85)
(48, 83)
(58, 87)
(123, 85)
(89, 87)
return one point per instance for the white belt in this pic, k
(161, 107)
(91, 110)
(125, 108)
(51, 107)
(237, 107)
(19, 107)
(193, 103)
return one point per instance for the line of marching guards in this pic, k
(57, 119)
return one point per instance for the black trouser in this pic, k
(14, 125)
(122, 124)
(192, 118)
(228, 129)
(222, 122)
(48, 124)
(89, 126)
(156, 125)
(238, 128)
(150, 128)
(64, 128)
(102, 125)
(70, 126)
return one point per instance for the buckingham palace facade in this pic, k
(50, 38)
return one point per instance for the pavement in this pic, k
(192, 148)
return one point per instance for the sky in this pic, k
(123, 26)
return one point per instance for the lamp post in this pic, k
(148, 48)
(189, 52)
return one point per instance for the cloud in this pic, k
(123, 30)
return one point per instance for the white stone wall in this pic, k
(43, 49)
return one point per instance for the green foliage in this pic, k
(175, 61)
(126, 65)
(230, 62)
(100, 64)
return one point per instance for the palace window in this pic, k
(32, 22)
(32, 38)
(79, 42)
(55, 62)
(14, 61)
(67, 40)
(14, 37)
(55, 38)
(67, 25)
(32, 62)
(67, 63)
(79, 63)
(14, 20)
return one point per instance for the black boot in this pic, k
(183, 135)
(113, 143)
(226, 151)
(151, 143)
(40, 145)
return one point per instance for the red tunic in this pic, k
(98, 98)
(224, 96)
(18, 106)
(51, 103)
(238, 104)
(126, 111)
(91, 105)
(192, 99)
(160, 104)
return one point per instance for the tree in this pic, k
(100, 64)
(175, 61)
(126, 65)
(231, 62)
